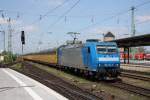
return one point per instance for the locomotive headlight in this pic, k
(99, 65)
(97, 59)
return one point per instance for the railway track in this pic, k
(135, 76)
(67, 89)
(2, 66)
(8, 64)
(145, 65)
(131, 88)
(118, 84)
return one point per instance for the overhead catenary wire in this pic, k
(18, 14)
(114, 16)
(27, 13)
(106, 19)
(142, 4)
(50, 11)
(44, 15)
(64, 14)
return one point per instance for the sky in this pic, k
(47, 22)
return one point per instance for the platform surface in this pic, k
(16, 86)
(135, 68)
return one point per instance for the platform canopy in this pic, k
(141, 40)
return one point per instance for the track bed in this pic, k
(63, 87)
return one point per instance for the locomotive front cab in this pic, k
(102, 58)
(107, 59)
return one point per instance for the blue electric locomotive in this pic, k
(97, 58)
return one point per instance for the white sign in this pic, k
(1, 58)
(109, 59)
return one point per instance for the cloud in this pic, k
(55, 2)
(2, 21)
(119, 32)
(113, 29)
(31, 28)
(143, 18)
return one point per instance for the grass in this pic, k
(17, 66)
(140, 83)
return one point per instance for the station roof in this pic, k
(141, 40)
(109, 34)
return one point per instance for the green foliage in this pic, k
(9, 57)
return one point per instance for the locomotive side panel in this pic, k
(71, 57)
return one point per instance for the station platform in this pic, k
(16, 86)
(139, 68)
(145, 63)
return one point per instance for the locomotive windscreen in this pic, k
(106, 49)
(111, 49)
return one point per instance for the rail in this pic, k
(67, 89)
(131, 88)
(135, 76)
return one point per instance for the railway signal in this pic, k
(22, 39)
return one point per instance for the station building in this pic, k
(109, 36)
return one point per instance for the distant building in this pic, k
(109, 36)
